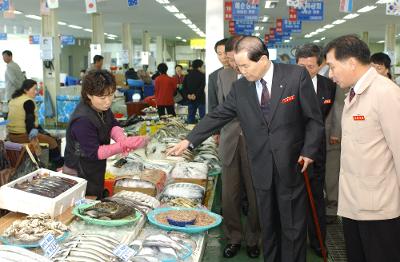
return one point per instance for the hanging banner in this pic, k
(228, 10)
(393, 8)
(44, 9)
(292, 14)
(292, 27)
(279, 25)
(91, 6)
(241, 10)
(296, 3)
(4, 5)
(67, 40)
(244, 27)
(34, 39)
(313, 11)
(346, 6)
(133, 3)
(52, 4)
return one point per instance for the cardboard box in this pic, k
(20, 201)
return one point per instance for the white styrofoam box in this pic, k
(20, 201)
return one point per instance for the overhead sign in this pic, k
(67, 40)
(91, 6)
(34, 39)
(4, 5)
(312, 11)
(3, 36)
(242, 10)
(292, 14)
(346, 6)
(244, 27)
(292, 27)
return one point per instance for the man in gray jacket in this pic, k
(13, 76)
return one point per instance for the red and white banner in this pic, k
(91, 6)
(346, 6)
(52, 4)
(292, 14)
(228, 10)
(272, 33)
(279, 25)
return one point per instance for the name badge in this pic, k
(288, 99)
(359, 118)
(327, 101)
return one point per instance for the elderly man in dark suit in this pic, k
(309, 56)
(282, 124)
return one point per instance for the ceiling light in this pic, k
(338, 22)
(171, 8)
(366, 8)
(193, 26)
(112, 35)
(61, 23)
(187, 21)
(381, 42)
(180, 16)
(286, 41)
(328, 26)
(17, 12)
(36, 17)
(290, 38)
(270, 4)
(162, 1)
(178, 37)
(319, 30)
(323, 38)
(384, 1)
(265, 18)
(184, 40)
(88, 30)
(317, 41)
(307, 36)
(313, 33)
(75, 26)
(256, 28)
(350, 16)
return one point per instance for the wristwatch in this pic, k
(191, 147)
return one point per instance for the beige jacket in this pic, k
(369, 183)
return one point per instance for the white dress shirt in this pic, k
(314, 81)
(359, 82)
(268, 78)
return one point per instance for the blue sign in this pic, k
(292, 27)
(242, 10)
(312, 11)
(133, 3)
(34, 39)
(286, 35)
(4, 5)
(67, 40)
(3, 36)
(243, 27)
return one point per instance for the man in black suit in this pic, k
(282, 124)
(309, 56)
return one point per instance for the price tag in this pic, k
(124, 252)
(49, 245)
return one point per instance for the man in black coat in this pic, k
(309, 56)
(280, 117)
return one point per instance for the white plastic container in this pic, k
(20, 201)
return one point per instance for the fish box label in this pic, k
(124, 252)
(49, 245)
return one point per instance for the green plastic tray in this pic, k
(101, 222)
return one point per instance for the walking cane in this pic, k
(314, 213)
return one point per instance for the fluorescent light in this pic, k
(338, 22)
(366, 8)
(290, 38)
(35, 17)
(184, 40)
(193, 26)
(187, 21)
(313, 33)
(384, 2)
(328, 26)
(88, 30)
(180, 16)
(75, 26)
(61, 23)
(381, 42)
(17, 12)
(286, 41)
(256, 28)
(317, 41)
(270, 4)
(319, 30)
(323, 38)
(178, 37)
(162, 1)
(111, 35)
(351, 16)
(171, 8)
(265, 18)
(308, 36)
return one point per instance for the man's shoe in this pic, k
(253, 252)
(231, 250)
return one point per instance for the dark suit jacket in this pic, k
(295, 126)
(326, 90)
(194, 83)
(213, 90)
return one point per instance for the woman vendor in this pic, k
(23, 125)
(90, 129)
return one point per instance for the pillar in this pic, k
(51, 76)
(127, 41)
(390, 41)
(159, 50)
(97, 29)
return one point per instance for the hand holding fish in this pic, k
(179, 148)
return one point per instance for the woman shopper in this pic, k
(90, 129)
(23, 126)
(164, 87)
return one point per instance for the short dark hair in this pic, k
(254, 46)
(162, 68)
(231, 42)
(26, 85)
(220, 42)
(382, 59)
(197, 63)
(179, 66)
(309, 50)
(97, 83)
(7, 52)
(97, 58)
(349, 46)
